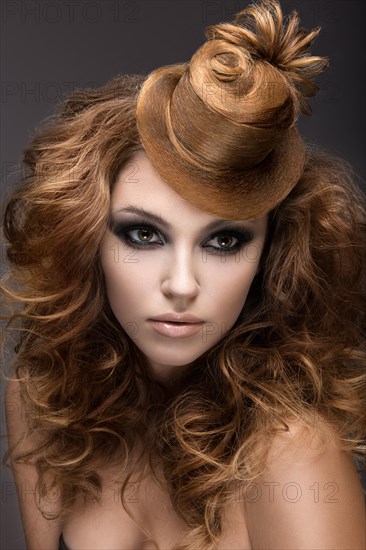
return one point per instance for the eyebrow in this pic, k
(158, 219)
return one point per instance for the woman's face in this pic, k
(180, 267)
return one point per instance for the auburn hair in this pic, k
(297, 350)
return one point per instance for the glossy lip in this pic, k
(175, 330)
(177, 318)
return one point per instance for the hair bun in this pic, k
(263, 34)
(221, 128)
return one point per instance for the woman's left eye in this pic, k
(144, 233)
(226, 243)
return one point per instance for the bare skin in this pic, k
(309, 497)
(109, 526)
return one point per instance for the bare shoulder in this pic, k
(40, 533)
(309, 495)
(15, 411)
(300, 443)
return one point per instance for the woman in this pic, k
(192, 352)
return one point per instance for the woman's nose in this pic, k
(180, 276)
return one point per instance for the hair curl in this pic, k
(297, 349)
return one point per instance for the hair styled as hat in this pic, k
(221, 128)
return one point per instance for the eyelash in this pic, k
(243, 237)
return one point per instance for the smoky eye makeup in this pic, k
(142, 234)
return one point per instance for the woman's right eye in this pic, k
(143, 235)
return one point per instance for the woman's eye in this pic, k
(230, 241)
(226, 242)
(143, 234)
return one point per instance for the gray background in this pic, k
(49, 48)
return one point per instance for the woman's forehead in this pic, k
(139, 189)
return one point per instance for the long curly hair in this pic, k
(297, 350)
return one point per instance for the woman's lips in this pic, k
(175, 330)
